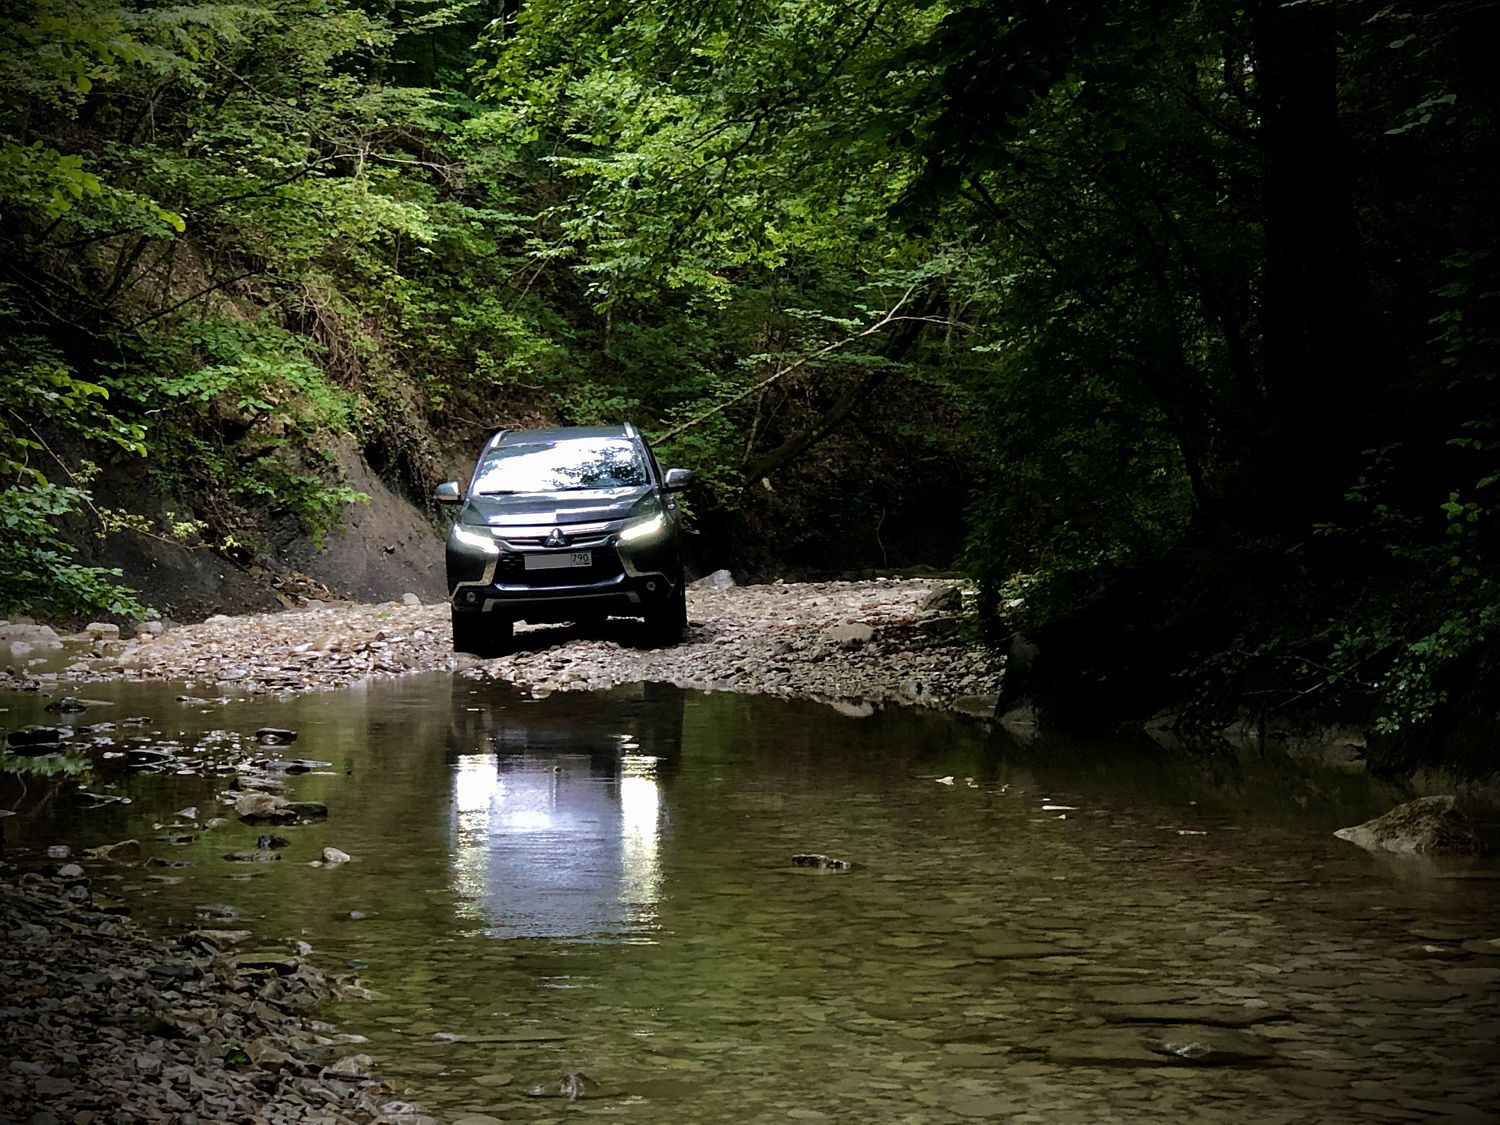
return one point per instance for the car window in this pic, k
(560, 466)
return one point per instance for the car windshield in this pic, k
(560, 466)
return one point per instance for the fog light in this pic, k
(471, 597)
(651, 587)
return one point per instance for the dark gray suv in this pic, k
(572, 524)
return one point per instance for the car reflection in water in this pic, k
(557, 815)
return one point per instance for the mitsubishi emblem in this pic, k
(557, 538)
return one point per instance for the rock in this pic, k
(409, 598)
(1184, 1046)
(1023, 651)
(263, 808)
(41, 638)
(252, 857)
(353, 1066)
(570, 1086)
(944, 599)
(264, 963)
(102, 631)
(148, 756)
(1210, 1046)
(66, 705)
(256, 807)
(1426, 826)
(297, 765)
(821, 862)
(36, 740)
(119, 850)
(275, 736)
(59, 851)
(718, 580)
(150, 629)
(854, 634)
(332, 857)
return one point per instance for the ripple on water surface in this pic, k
(602, 886)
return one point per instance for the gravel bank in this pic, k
(102, 1024)
(882, 642)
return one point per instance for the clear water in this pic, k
(603, 884)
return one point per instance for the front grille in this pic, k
(511, 570)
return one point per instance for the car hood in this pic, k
(559, 509)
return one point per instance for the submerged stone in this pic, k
(821, 862)
(570, 1086)
(1188, 1045)
(35, 740)
(1209, 1015)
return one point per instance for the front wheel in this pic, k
(665, 623)
(479, 634)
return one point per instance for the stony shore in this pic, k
(102, 1023)
(861, 643)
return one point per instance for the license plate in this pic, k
(563, 560)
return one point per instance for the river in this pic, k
(603, 884)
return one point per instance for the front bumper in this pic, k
(618, 581)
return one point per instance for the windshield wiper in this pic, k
(499, 492)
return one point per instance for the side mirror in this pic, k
(678, 479)
(448, 493)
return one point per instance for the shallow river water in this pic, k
(602, 884)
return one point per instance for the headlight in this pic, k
(475, 540)
(648, 528)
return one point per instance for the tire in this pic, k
(479, 634)
(665, 623)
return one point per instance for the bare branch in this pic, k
(889, 317)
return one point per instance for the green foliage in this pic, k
(1017, 269)
(38, 563)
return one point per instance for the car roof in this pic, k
(563, 433)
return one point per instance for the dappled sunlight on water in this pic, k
(603, 884)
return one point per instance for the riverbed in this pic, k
(595, 894)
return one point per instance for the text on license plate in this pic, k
(560, 561)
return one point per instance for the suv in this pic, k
(571, 524)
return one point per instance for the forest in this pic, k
(1172, 324)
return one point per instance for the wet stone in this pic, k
(1186, 1046)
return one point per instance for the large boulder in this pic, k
(718, 580)
(1426, 826)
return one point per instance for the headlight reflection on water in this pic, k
(640, 836)
(549, 847)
